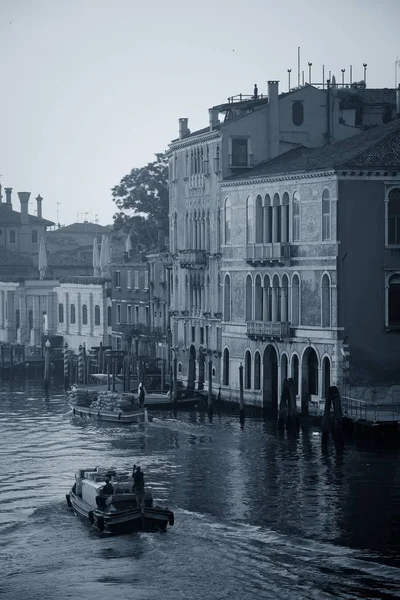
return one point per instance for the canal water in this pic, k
(257, 514)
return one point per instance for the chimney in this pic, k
(8, 192)
(273, 108)
(213, 115)
(398, 102)
(39, 206)
(24, 199)
(183, 128)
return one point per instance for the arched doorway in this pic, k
(192, 368)
(326, 376)
(270, 379)
(309, 377)
(201, 368)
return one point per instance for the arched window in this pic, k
(97, 315)
(295, 372)
(326, 216)
(394, 301)
(250, 220)
(109, 316)
(228, 221)
(394, 217)
(180, 367)
(259, 221)
(73, 315)
(267, 299)
(298, 113)
(249, 298)
(295, 300)
(225, 367)
(258, 300)
(227, 298)
(285, 299)
(12, 236)
(61, 313)
(276, 305)
(326, 301)
(247, 371)
(84, 314)
(296, 218)
(257, 371)
(267, 219)
(34, 236)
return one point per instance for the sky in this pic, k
(92, 88)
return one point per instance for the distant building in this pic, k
(130, 305)
(83, 309)
(20, 235)
(27, 310)
(70, 248)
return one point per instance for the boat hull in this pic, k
(128, 520)
(112, 416)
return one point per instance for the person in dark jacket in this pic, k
(108, 489)
(138, 481)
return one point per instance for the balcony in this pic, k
(277, 253)
(193, 259)
(262, 330)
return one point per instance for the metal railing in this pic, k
(378, 412)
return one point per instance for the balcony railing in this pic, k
(193, 259)
(276, 252)
(268, 329)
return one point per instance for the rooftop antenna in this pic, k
(298, 66)
(343, 70)
(289, 71)
(351, 74)
(365, 73)
(309, 72)
(323, 77)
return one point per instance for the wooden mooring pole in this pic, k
(210, 398)
(241, 396)
(46, 367)
(66, 366)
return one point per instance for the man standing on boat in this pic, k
(138, 484)
(142, 394)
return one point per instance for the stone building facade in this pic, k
(311, 272)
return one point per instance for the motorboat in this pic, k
(125, 510)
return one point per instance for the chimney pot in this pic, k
(213, 116)
(273, 108)
(39, 205)
(8, 192)
(24, 199)
(183, 128)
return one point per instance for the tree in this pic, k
(142, 199)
